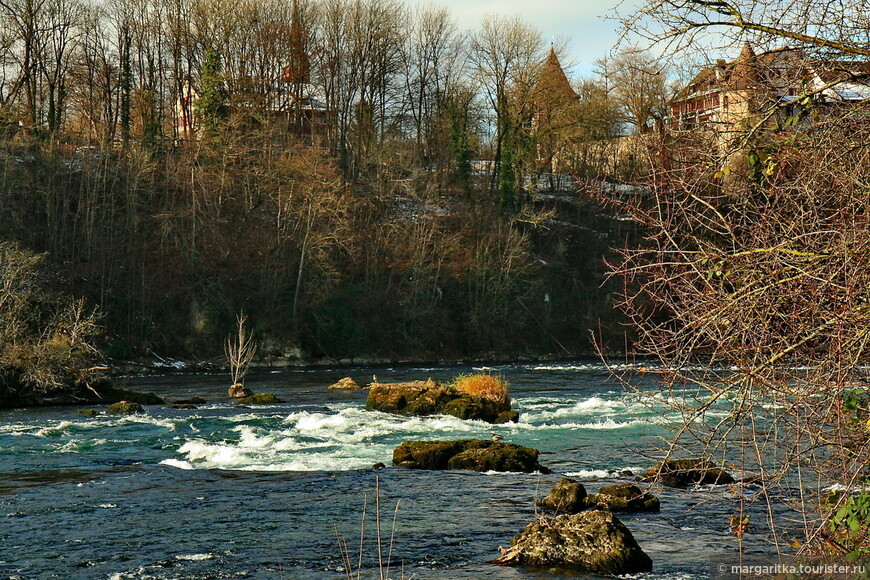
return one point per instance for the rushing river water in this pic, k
(222, 492)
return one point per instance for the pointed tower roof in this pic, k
(744, 74)
(553, 85)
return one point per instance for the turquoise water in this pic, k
(221, 492)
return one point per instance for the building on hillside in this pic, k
(732, 96)
(183, 118)
(556, 117)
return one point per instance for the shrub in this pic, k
(483, 386)
(45, 338)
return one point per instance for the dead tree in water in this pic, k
(240, 349)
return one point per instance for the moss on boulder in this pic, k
(125, 408)
(566, 497)
(592, 541)
(421, 398)
(469, 454)
(623, 498)
(106, 392)
(260, 399)
(88, 412)
(190, 401)
(685, 472)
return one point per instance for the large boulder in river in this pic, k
(623, 498)
(685, 472)
(420, 398)
(591, 541)
(125, 408)
(566, 497)
(260, 399)
(239, 391)
(470, 454)
(346, 384)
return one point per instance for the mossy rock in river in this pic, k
(88, 412)
(125, 408)
(346, 384)
(498, 457)
(261, 399)
(469, 454)
(623, 498)
(566, 497)
(421, 398)
(507, 417)
(239, 391)
(685, 472)
(190, 401)
(591, 541)
(109, 393)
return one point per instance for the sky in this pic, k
(582, 22)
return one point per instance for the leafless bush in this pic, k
(753, 292)
(46, 339)
(240, 349)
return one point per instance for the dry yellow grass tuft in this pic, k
(483, 386)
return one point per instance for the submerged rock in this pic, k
(239, 391)
(623, 498)
(420, 398)
(187, 406)
(566, 497)
(190, 401)
(125, 408)
(470, 454)
(346, 384)
(260, 399)
(507, 417)
(592, 541)
(685, 472)
(88, 412)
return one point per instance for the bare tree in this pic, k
(640, 88)
(506, 55)
(240, 349)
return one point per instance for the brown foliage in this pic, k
(483, 386)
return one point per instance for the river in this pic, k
(223, 492)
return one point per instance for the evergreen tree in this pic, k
(210, 108)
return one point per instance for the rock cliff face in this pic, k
(592, 541)
(421, 398)
(470, 454)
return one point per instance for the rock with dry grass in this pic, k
(346, 384)
(480, 400)
(483, 386)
